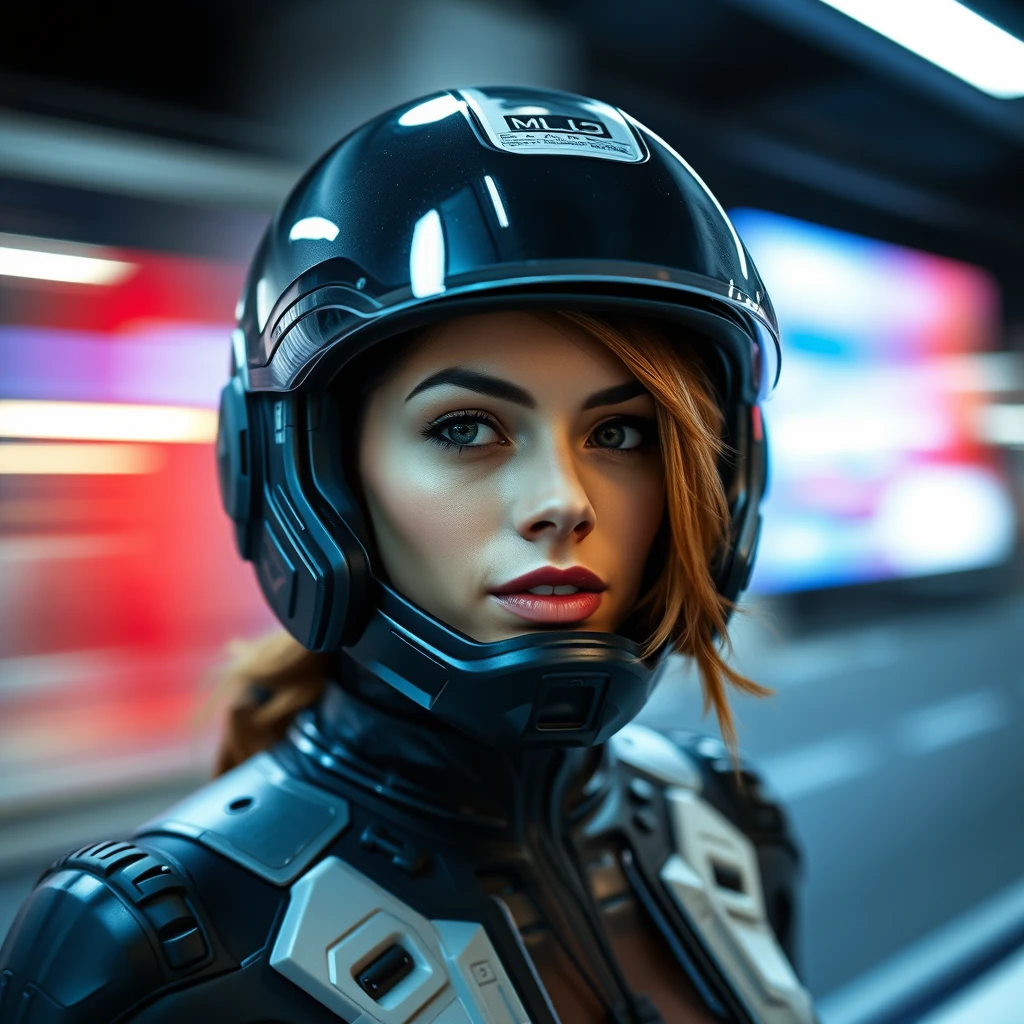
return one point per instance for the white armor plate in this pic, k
(714, 878)
(338, 921)
(655, 755)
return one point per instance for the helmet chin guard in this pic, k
(540, 689)
(465, 202)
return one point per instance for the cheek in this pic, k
(429, 527)
(629, 516)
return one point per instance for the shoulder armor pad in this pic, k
(106, 927)
(742, 796)
(733, 869)
(650, 752)
(715, 878)
(260, 817)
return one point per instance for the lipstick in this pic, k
(552, 596)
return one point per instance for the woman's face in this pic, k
(512, 478)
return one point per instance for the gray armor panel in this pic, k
(338, 920)
(260, 817)
(714, 878)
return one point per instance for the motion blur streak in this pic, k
(100, 421)
(78, 459)
(896, 735)
(798, 773)
(880, 431)
(58, 266)
(125, 162)
(872, 996)
(955, 721)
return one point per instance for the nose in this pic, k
(553, 503)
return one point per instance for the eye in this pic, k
(467, 433)
(618, 435)
(464, 430)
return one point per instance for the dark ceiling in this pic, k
(843, 126)
(780, 103)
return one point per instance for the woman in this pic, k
(493, 444)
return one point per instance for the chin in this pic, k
(526, 629)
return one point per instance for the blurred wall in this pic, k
(317, 70)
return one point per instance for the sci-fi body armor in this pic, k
(370, 869)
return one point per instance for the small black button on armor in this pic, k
(380, 976)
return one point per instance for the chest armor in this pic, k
(393, 920)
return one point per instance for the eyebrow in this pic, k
(472, 380)
(615, 394)
(495, 387)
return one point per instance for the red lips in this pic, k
(549, 576)
(552, 609)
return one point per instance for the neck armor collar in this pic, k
(368, 734)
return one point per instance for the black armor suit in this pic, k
(458, 832)
(645, 881)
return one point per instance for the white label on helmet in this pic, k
(570, 125)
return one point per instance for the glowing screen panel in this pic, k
(876, 472)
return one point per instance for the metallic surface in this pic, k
(655, 755)
(480, 979)
(731, 917)
(238, 945)
(400, 215)
(917, 902)
(484, 199)
(258, 815)
(338, 920)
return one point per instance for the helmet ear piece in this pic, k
(738, 567)
(236, 468)
(309, 563)
(313, 574)
(737, 563)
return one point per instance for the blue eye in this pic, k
(463, 430)
(468, 433)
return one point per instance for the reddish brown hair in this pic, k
(273, 678)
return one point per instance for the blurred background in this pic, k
(142, 152)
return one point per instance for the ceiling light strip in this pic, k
(949, 35)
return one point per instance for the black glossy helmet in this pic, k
(466, 201)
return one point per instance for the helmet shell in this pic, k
(480, 198)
